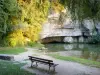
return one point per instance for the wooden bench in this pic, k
(42, 61)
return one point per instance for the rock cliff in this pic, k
(69, 32)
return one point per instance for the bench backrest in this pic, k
(40, 59)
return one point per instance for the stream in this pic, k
(86, 51)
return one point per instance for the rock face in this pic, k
(69, 32)
(6, 57)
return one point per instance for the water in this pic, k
(86, 51)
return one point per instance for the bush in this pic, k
(32, 44)
(95, 39)
(35, 44)
(16, 38)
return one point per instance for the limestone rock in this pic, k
(70, 31)
(68, 39)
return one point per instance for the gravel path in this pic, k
(64, 67)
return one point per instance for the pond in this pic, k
(86, 51)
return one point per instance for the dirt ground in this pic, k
(64, 67)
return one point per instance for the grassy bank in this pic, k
(9, 68)
(79, 60)
(33, 44)
(12, 50)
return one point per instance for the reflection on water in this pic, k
(87, 51)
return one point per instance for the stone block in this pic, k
(6, 57)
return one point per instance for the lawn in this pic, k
(75, 59)
(9, 68)
(12, 50)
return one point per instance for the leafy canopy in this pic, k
(84, 9)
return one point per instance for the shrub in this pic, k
(95, 39)
(16, 38)
(32, 44)
(35, 44)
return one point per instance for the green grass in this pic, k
(34, 44)
(10, 50)
(75, 59)
(9, 68)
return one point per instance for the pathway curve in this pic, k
(64, 67)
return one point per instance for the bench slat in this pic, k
(39, 60)
(31, 57)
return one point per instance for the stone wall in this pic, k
(6, 57)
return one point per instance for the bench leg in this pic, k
(54, 68)
(36, 64)
(32, 64)
(49, 67)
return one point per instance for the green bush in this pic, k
(32, 44)
(15, 38)
(35, 44)
(95, 39)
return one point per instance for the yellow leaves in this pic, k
(57, 7)
(14, 21)
(12, 42)
(32, 18)
(31, 32)
(16, 38)
(33, 13)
